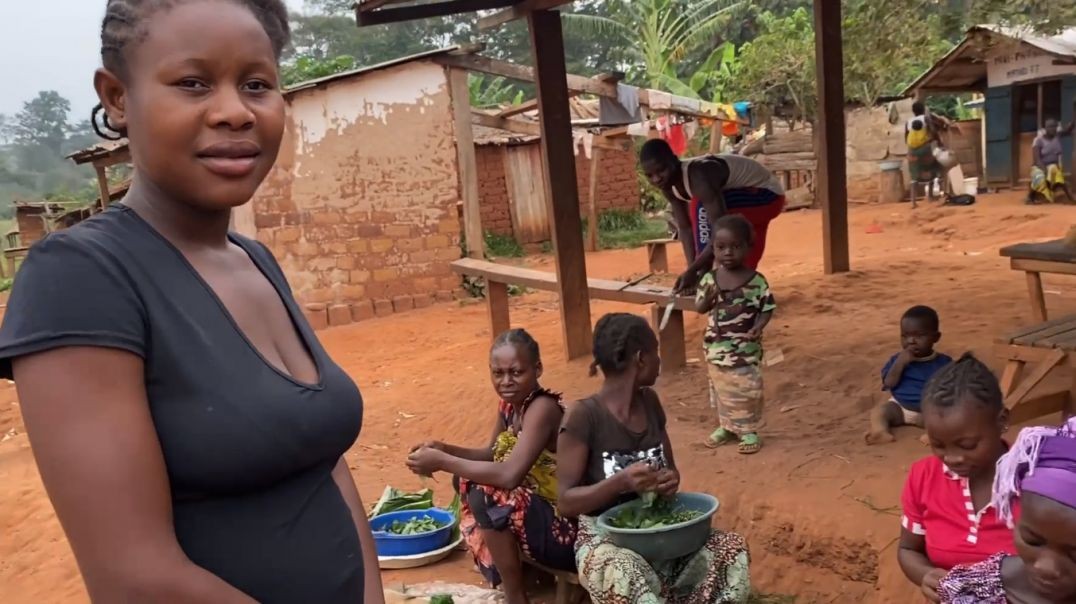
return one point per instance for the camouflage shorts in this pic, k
(737, 395)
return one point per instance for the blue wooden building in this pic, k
(1026, 78)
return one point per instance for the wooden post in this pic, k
(592, 205)
(558, 170)
(715, 136)
(1038, 300)
(102, 185)
(497, 305)
(465, 158)
(831, 187)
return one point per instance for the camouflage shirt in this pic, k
(726, 342)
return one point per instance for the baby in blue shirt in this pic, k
(906, 373)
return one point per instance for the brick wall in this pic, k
(360, 208)
(617, 187)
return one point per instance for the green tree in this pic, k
(305, 68)
(42, 121)
(488, 92)
(656, 35)
(776, 69)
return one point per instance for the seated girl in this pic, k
(1040, 469)
(948, 518)
(614, 446)
(508, 488)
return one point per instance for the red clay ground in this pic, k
(819, 508)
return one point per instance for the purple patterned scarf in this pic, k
(1041, 461)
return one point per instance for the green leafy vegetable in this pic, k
(442, 599)
(394, 500)
(414, 526)
(653, 513)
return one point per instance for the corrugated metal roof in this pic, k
(102, 149)
(964, 66)
(344, 75)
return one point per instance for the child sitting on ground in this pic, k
(948, 518)
(906, 373)
(614, 446)
(740, 305)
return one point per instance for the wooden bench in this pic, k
(657, 254)
(1037, 258)
(11, 257)
(1048, 346)
(569, 591)
(499, 276)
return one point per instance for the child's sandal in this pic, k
(718, 438)
(750, 444)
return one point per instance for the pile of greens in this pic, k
(654, 512)
(414, 526)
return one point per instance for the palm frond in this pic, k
(673, 85)
(596, 25)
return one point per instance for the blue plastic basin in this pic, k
(667, 542)
(389, 544)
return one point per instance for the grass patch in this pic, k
(502, 246)
(619, 229)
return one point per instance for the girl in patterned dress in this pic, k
(614, 446)
(1040, 469)
(508, 488)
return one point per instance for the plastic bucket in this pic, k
(389, 544)
(971, 185)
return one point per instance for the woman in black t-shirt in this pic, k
(187, 424)
(613, 446)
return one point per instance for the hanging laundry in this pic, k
(674, 135)
(660, 100)
(639, 129)
(622, 110)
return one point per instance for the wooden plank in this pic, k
(715, 137)
(1055, 250)
(365, 16)
(599, 289)
(1044, 266)
(497, 306)
(1046, 330)
(526, 193)
(831, 187)
(1011, 376)
(1031, 330)
(102, 186)
(671, 339)
(1038, 374)
(502, 123)
(577, 84)
(592, 201)
(468, 166)
(518, 11)
(562, 195)
(657, 255)
(1028, 354)
(1039, 406)
(1038, 300)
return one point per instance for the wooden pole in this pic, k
(558, 170)
(465, 158)
(832, 187)
(102, 186)
(592, 205)
(715, 137)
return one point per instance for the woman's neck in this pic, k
(184, 225)
(617, 394)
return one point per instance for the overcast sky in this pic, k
(53, 45)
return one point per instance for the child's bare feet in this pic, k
(879, 437)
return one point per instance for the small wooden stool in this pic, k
(657, 255)
(568, 589)
(1049, 346)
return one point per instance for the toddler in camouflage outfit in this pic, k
(740, 305)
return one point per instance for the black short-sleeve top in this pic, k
(249, 450)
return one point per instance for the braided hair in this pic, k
(522, 339)
(967, 379)
(618, 337)
(125, 25)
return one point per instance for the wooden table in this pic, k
(1044, 349)
(1037, 258)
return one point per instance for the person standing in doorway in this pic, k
(701, 190)
(1047, 175)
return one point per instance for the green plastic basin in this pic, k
(666, 542)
